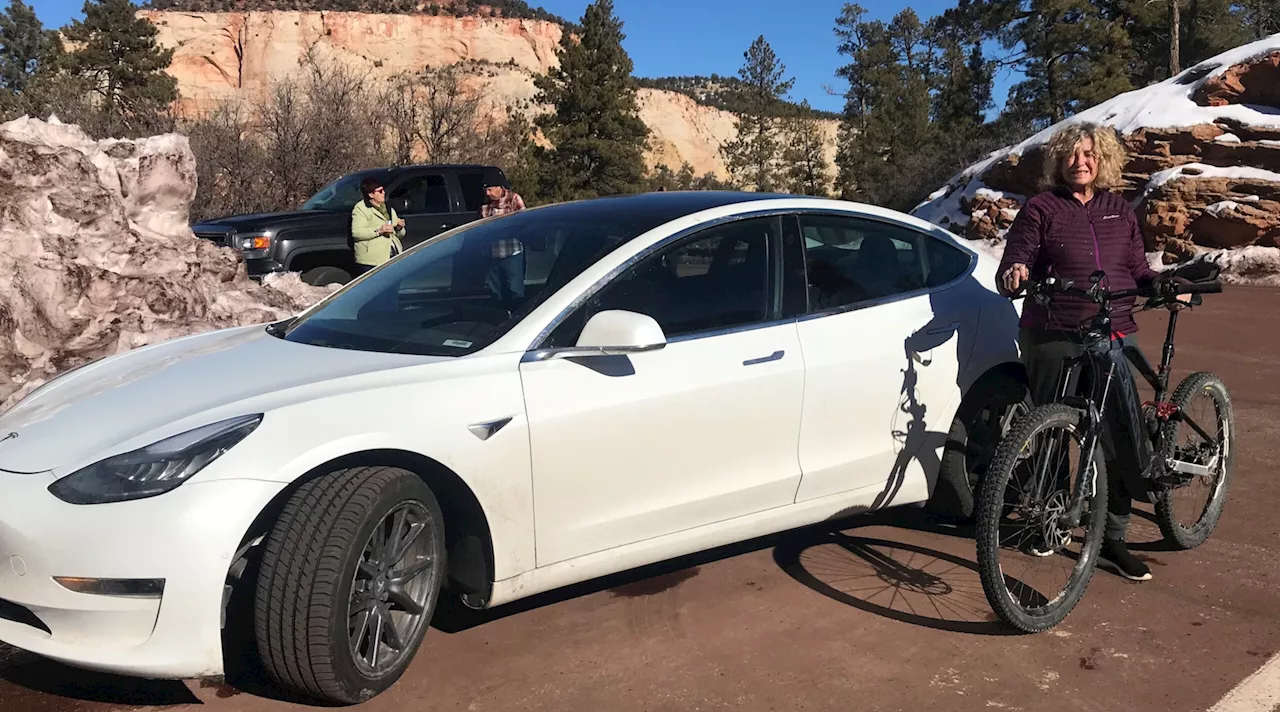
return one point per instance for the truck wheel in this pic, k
(324, 276)
(351, 574)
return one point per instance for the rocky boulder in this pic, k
(1203, 170)
(98, 257)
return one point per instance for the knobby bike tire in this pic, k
(990, 505)
(1174, 532)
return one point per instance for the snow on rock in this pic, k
(1209, 136)
(98, 257)
(1247, 265)
(1222, 206)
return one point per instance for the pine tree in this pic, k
(1205, 28)
(595, 127)
(1073, 55)
(752, 156)
(119, 56)
(891, 159)
(803, 159)
(25, 47)
(1261, 18)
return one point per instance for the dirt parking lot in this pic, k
(887, 614)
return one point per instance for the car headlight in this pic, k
(156, 468)
(253, 244)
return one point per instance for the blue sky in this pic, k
(685, 37)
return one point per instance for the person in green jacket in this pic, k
(375, 228)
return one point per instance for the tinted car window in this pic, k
(946, 262)
(851, 260)
(426, 194)
(472, 185)
(716, 279)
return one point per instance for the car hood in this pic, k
(97, 408)
(262, 221)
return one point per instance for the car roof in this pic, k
(656, 207)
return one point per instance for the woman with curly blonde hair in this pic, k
(1074, 228)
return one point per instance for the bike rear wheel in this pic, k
(1204, 465)
(1034, 569)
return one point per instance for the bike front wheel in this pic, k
(1034, 566)
(1198, 448)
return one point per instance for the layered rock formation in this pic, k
(97, 257)
(1203, 172)
(221, 56)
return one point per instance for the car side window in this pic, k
(716, 279)
(945, 262)
(851, 260)
(425, 193)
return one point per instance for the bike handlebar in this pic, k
(1095, 293)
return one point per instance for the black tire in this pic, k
(1208, 384)
(325, 276)
(302, 607)
(992, 500)
(984, 416)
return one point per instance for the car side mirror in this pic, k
(400, 205)
(615, 331)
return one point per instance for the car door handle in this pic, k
(775, 356)
(944, 329)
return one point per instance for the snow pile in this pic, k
(1246, 265)
(98, 258)
(1202, 144)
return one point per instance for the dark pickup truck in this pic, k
(316, 239)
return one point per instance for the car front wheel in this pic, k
(351, 573)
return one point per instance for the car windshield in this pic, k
(456, 294)
(340, 195)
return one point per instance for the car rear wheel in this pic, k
(984, 417)
(351, 574)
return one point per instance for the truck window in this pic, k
(472, 190)
(426, 194)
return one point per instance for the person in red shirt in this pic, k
(1074, 228)
(505, 277)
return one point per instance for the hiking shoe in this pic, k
(1115, 556)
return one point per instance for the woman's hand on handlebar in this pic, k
(1013, 277)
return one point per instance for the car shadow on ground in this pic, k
(897, 580)
(30, 682)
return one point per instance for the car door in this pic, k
(628, 448)
(884, 340)
(429, 206)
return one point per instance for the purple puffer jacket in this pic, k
(1054, 234)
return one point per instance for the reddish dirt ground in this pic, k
(888, 612)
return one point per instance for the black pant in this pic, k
(1043, 353)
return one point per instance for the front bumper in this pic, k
(187, 537)
(259, 268)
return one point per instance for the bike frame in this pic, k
(1107, 364)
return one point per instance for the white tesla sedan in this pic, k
(522, 403)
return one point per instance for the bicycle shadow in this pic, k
(892, 578)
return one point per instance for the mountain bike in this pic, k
(1043, 500)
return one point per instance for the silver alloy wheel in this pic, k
(389, 592)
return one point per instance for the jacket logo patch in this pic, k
(1110, 217)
